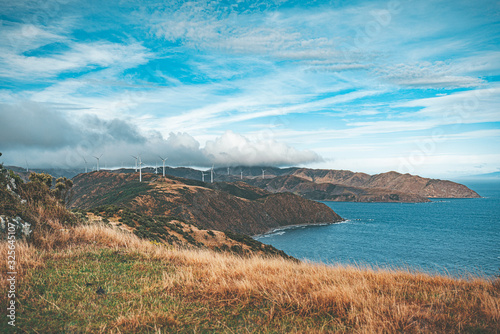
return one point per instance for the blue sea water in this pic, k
(456, 237)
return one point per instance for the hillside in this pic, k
(393, 181)
(237, 206)
(343, 185)
(347, 185)
(332, 192)
(172, 231)
(33, 209)
(96, 279)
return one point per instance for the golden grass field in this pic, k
(157, 289)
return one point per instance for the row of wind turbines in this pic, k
(139, 163)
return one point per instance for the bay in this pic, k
(457, 237)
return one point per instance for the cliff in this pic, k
(236, 207)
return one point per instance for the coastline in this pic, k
(289, 227)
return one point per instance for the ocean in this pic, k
(456, 237)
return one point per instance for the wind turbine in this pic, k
(241, 173)
(227, 170)
(85, 163)
(135, 162)
(263, 173)
(140, 169)
(98, 161)
(163, 165)
(27, 166)
(203, 176)
(212, 174)
(156, 167)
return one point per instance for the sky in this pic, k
(367, 86)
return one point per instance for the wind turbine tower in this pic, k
(98, 161)
(85, 164)
(263, 173)
(203, 176)
(241, 174)
(140, 169)
(163, 165)
(212, 174)
(156, 167)
(227, 170)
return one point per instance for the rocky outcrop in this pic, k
(236, 207)
(15, 226)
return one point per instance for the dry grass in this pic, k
(368, 301)
(276, 295)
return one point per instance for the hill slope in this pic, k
(348, 186)
(171, 231)
(236, 207)
(332, 192)
(404, 183)
(100, 280)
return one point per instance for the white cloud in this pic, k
(51, 138)
(280, 35)
(18, 38)
(427, 75)
(472, 106)
(78, 57)
(232, 149)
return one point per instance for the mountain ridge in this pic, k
(238, 207)
(347, 185)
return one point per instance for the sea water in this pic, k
(456, 237)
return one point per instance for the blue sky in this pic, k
(370, 86)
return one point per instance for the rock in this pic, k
(22, 228)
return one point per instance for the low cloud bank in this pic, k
(33, 134)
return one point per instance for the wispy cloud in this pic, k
(78, 57)
(428, 75)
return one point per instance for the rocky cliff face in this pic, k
(236, 207)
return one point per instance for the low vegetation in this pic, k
(33, 204)
(95, 278)
(176, 232)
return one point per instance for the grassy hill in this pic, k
(98, 279)
(236, 207)
(173, 231)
